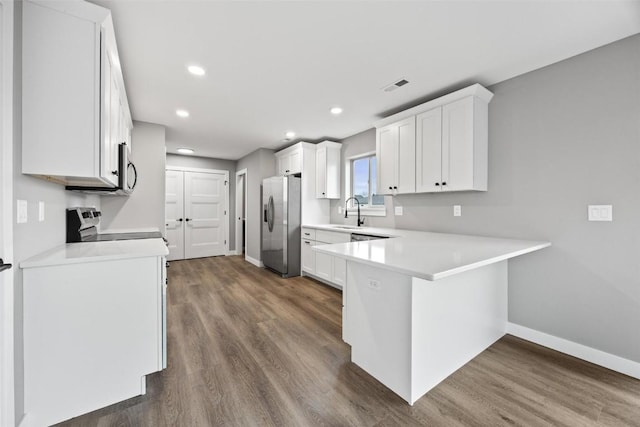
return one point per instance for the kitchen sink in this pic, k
(347, 227)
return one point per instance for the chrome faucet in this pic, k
(346, 205)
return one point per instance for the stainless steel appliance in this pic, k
(281, 225)
(356, 237)
(127, 177)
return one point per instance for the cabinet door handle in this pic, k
(444, 183)
(323, 194)
(4, 266)
(179, 219)
(187, 219)
(390, 188)
(287, 171)
(307, 234)
(306, 242)
(437, 184)
(395, 188)
(114, 173)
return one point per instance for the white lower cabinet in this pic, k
(327, 268)
(307, 258)
(92, 332)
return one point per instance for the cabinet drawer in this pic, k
(308, 233)
(323, 236)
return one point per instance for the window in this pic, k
(363, 181)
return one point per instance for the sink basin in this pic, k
(346, 227)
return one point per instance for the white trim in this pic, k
(7, 367)
(377, 210)
(474, 90)
(238, 220)
(230, 253)
(598, 357)
(254, 261)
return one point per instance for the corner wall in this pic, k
(145, 206)
(560, 138)
(260, 164)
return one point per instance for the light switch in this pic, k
(600, 212)
(40, 211)
(457, 210)
(399, 210)
(21, 211)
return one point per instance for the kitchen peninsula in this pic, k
(420, 305)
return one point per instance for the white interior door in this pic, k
(204, 209)
(174, 213)
(7, 406)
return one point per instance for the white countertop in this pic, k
(73, 253)
(426, 255)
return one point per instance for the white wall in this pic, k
(145, 206)
(560, 138)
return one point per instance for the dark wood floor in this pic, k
(247, 348)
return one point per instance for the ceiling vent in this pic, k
(395, 85)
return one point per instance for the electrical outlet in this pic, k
(21, 211)
(600, 212)
(399, 210)
(374, 284)
(457, 210)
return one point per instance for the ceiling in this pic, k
(277, 66)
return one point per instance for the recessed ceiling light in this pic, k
(182, 113)
(336, 111)
(196, 70)
(185, 151)
(290, 134)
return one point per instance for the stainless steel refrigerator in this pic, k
(281, 225)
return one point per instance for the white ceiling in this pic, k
(275, 66)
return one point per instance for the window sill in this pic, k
(378, 211)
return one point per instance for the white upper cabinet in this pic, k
(328, 170)
(289, 160)
(396, 151)
(74, 109)
(450, 141)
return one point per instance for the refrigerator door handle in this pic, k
(270, 213)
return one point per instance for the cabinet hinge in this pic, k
(225, 183)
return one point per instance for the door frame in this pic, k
(7, 366)
(241, 193)
(226, 195)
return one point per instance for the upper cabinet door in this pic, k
(295, 162)
(429, 151)
(73, 94)
(406, 157)
(386, 151)
(321, 173)
(396, 153)
(458, 146)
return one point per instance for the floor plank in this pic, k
(248, 348)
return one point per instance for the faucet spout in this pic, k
(346, 206)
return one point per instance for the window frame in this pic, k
(368, 209)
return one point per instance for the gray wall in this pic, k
(560, 138)
(219, 164)
(363, 142)
(145, 206)
(33, 237)
(260, 164)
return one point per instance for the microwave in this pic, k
(127, 177)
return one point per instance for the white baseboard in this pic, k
(232, 253)
(254, 261)
(598, 357)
